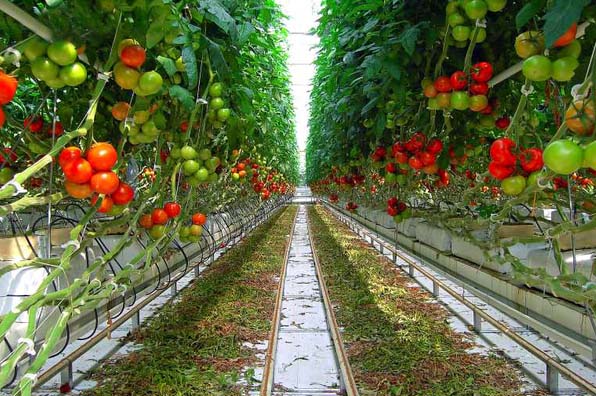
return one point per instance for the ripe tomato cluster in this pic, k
(397, 209)
(91, 174)
(351, 206)
(505, 158)
(461, 91)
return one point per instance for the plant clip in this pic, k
(481, 23)
(202, 101)
(527, 91)
(15, 54)
(576, 94)
(72, 242)
(17, 186)
(31, 377)
(103, 76)
(30, 345)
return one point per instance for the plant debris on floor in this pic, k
(398, 340)
(200, 345)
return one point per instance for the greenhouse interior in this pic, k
(297, 197)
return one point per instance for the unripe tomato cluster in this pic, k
(559, 65)
(55, 63)
(565, 156)
(462, 16)
(199, 167)
(127, 74)
(144, 126)
(91, 174)
(218, 114)
(461, 91)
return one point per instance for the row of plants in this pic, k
(201, 344)
(147, 115)
(398, 340)
(478, 110)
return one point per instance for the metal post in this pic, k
(436, 289)
(197, 271)
(411, 270)
(66, 376)
(136, 320)
(552, 379)
(477, 322)
(382, 248)
(174, 288)
(593, 345)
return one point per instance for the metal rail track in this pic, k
(554, 368)
(65, 366)
(347, 382)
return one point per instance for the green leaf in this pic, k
(245, 30)
(190, 63)
(218, 14)
(558, 20)
(528, 12)
(183, 95)
(408, 39)
(168, 64)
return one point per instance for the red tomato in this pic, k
(435, 146)
(401, 157)
(133, 56)
(500, 152)
(104, 182)
(444, 177)
(503, 123)
(500, 172)
(172, 209)
(392, 202)
(159, 216)
(488, 110)
(68, 154)
(8, 87)
(443, 84)
(479, 88)
(531, 160)
(7, 156)
(392, 211)
(199, 219)
(102, 156)
(79, 191)
(427, 158)
(482, 72)
(58, 130)
(2, 117)
(145, 221)
(123, 194)
(415, 163)
(391, 168)
(33, 124)
(459, 80)
(567, 37)
(105, 206)
(78, 170)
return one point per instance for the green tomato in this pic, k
(176, 153)
(62, 52)
(564, 68)
(6, 175)
(433, 104)
(537, 68)
(563, 156)
(44, 69)
(235, 176)
(590, 156)
(204, 154)
(533, 178)
(150, 82)
(212, 163)
(116, 210)
(451, 8)
(74, 74)
(401, 179)
(180, 66)
(460, 100)
(157, 231)
(573, 49)
(213, 177)
(150, 129)
(476, 9)
(35, 48)
(184, 232)
(216, 90)
(397, 219)
(141, 116)
(496, 5)
(455, 19)
(216, 104)
(202, 175)
(55, 83)
(223, 114)
(188, 153)
(390, 178)
(190, 167)
(513, 185)
(461, 32)
(481, 35)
